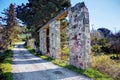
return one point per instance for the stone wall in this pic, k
(42, 38)
(54, 36)
(79, 36)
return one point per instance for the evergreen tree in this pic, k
(106, 32)
(11, 28)
(37, 13)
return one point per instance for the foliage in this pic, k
(64, 32)
(89, 72)
(30, 49)
(95, 36)
(5, 66)
(11, 28)
(35, 13)
(104, 41)
(24, 33)
(105, 65)
(104, 31)
(115, 48)
(96, 49)
(65, 50)
(99, 44)
(105, 45)
(64, 39)
(107, 42)
(65, 53)
(2, 42)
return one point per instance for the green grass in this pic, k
(5, 66)
(104, 64)
(30, 49)
(5, 63)
(65, 50)
(89, 72)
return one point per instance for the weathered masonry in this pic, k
(79, 36)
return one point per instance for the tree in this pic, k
(11, 28)
(37, 13)
(104, 31)
(105, 45)
(115, 47)
(118, 35)
(98, 43)
(2, 43)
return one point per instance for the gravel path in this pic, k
(26, 66)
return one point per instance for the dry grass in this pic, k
(107, 66)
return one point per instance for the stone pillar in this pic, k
(54, 36)
(42, 36)
(79, 36)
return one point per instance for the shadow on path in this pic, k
(26, 66)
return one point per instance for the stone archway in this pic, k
(79, 36)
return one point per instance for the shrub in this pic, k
(117, 76)
(105, 65)
(5, 66)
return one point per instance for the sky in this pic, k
(102, 13)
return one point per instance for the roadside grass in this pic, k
(117, 62)
(65, 53)
(107, 66)
(89, 72)
(5, 65)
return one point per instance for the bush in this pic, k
(2, 57)
(105, 65)
(114, 57)
(5, 66)
(65, 53)
(96, 49)
(117, 77)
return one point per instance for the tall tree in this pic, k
(37, 13)
(11, 31)
(104, 31)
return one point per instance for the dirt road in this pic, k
(26, 66)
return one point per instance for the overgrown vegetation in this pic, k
(106, 52)
(8, 36)
(91, 73)
(5, 65)
(64, 40)
(104, 41)
(106, 65)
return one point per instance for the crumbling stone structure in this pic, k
(79, 36)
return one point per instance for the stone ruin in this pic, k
(79, 36)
